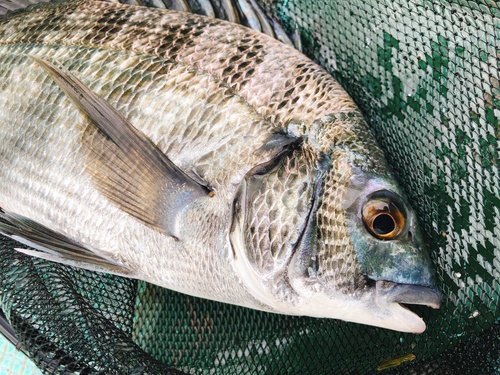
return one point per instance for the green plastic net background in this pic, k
(426, 75)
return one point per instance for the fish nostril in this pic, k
(410, 236)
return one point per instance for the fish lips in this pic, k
(389, 292)
(392, 296)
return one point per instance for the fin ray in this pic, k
(54, 246)
(126, 166)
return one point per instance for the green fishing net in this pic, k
(426, 75)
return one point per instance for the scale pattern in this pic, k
(278, 205)
(426, 74)
(237, 56)
(207, 93)
(336, 259)
(198, 113)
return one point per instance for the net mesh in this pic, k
(425, 74)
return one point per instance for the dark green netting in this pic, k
(426, 75)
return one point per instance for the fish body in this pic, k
(395, 361)
(204, 157)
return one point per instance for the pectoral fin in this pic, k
(54, 246)
(126, 166)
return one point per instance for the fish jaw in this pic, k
(398, 318)
(391, 296)
(378, 304)
(389, 292)
(366, 307)
(313, 299)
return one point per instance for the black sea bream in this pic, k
(204, 157)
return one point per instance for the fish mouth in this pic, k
(394, 296)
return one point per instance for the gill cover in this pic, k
(268, 216)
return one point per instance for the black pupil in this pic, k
(383, 224)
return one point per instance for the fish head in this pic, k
(327, 232)
(366, 245)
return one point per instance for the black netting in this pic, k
(70, 320)
(425, 73)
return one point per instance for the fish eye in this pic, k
(382, 217)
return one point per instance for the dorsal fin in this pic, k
(14, 5)
(126, 166)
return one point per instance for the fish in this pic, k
(204, 157)
(395, 361)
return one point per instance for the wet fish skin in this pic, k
(280, 234)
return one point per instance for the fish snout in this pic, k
(389, 292)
